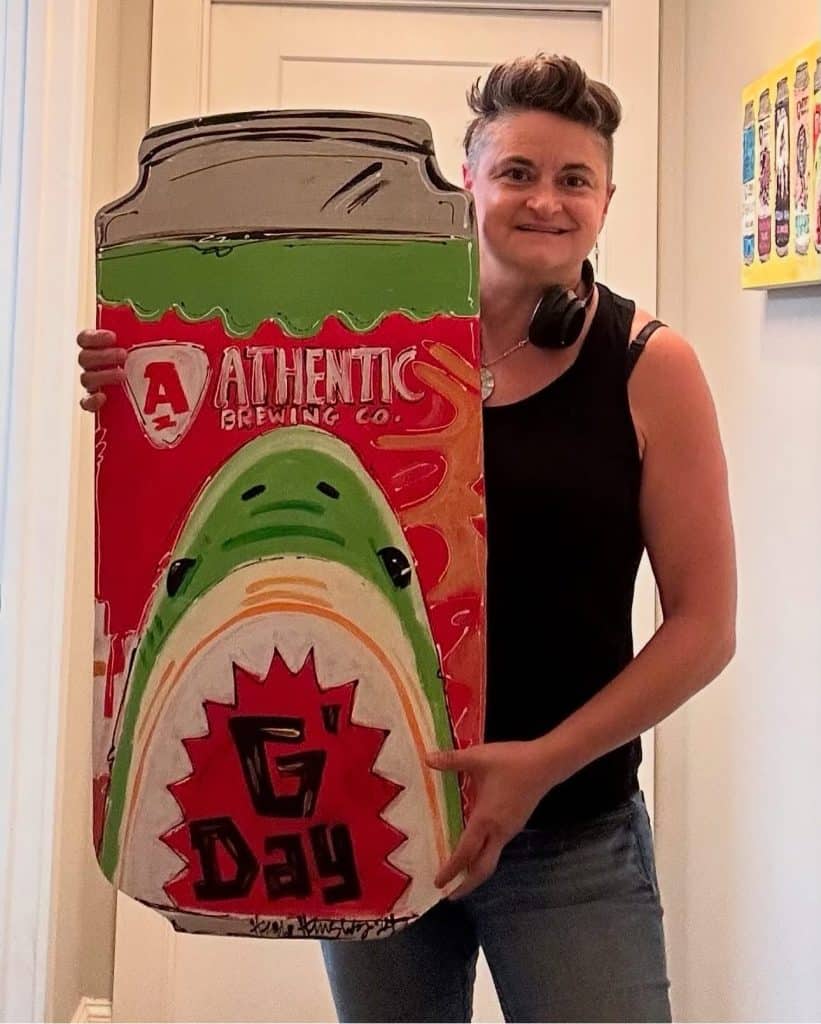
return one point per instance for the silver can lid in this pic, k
(293, 172)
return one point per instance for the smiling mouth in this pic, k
(544, 231)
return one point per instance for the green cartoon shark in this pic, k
(291, 544)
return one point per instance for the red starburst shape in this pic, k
(283, 811)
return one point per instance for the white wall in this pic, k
(83, 915)
(738, 770)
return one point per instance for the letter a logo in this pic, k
(166, 384)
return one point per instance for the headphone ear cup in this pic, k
(542, 330)
(558, 319)
(572, 323)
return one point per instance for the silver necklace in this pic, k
(486, 377)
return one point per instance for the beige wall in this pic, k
(83, 915)
(739, 816)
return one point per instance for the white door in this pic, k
(213, 56)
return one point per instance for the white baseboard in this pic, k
(96, 1011)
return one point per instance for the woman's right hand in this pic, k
(102, 364)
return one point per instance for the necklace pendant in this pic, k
(488, 382)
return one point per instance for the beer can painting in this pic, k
(290, 550)
(748, 185)
(782, 168)
(816, 134)
(782, 106)
(803, 159)
(765, 178)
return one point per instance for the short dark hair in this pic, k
(557, 85)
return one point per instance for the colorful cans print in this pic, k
(784, 108)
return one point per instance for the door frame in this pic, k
(629, 27)
(47, 71)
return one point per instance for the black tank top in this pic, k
(562, 477)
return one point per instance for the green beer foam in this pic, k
(296, 282)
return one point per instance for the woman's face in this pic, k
(541, 190)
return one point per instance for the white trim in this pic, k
(606, 36)
(433, 5)
(12, 83)
(45, 305)
(567, 6)
(12, 92)
(633, 49)
(94, 1011)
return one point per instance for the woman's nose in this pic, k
(544, 201)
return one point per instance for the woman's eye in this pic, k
(515, 174)
(574, 181)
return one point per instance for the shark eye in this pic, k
(252, 492)
(177, 573)
(326, 488)
(397, 565)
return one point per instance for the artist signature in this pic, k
(324, 928)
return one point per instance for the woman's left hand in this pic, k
(508, 780)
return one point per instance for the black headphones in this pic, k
(559, 318)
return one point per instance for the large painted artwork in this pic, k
(781, 175)
(290, 524)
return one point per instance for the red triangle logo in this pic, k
(166, 384)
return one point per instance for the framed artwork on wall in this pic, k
(781, 174)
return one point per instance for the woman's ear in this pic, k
(467, 177)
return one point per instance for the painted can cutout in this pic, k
(290, 525)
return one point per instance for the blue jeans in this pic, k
(570, 924)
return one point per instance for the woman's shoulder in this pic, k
(668, 381)
(665, 342)
(669, 348)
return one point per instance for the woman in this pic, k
(591, 454)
